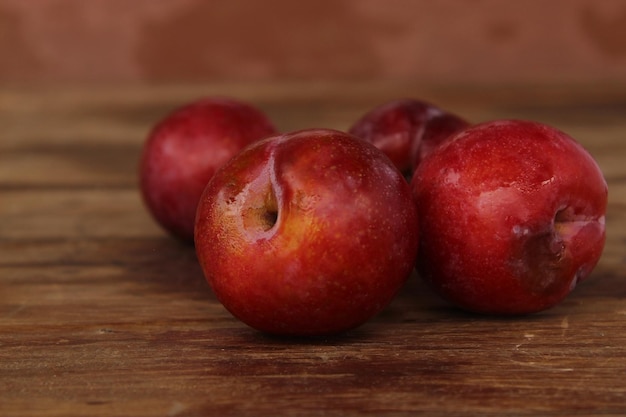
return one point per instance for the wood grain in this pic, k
(102, 314)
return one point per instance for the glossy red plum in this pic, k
(512, 217)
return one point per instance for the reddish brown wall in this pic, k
(443, 41)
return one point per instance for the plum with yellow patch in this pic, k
(307, 233)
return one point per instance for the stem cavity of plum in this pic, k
(270, 216)
(260, 203)
(567, 223)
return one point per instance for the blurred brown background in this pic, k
(437, 42)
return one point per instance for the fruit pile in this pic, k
(313, 232)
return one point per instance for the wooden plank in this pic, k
(65, 213)
(70, 166)
(146, 348)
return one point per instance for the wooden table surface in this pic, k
(103, 314)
